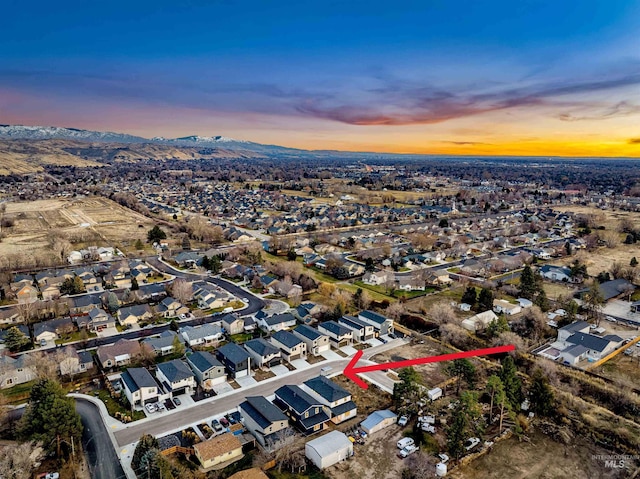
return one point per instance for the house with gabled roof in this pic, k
(339, 335)
(225, 448)
(99, 320)
(130, 315)
(235, 358)
(207, 334)
(176, 377)
(276, 322)
(162, 344)
(291, 346)
(263, 353)
(85, 303)
(316, 341)
(232, 324)
(139, 387)
(171, 308)
(117, 354)
(14, 371)
(207, 369)
(307, 413)
(361, 330)
(335, 397)
(27, 293)
(382, 324)
(265, 421)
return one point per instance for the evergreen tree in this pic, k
(146, 443)
(138, 244)
(206, 262)
(527, 283)
(498, 326)
(485, 300)
(51, 418)
(16, 340)
(134, 284)
(72, 286)
(463, 369)
(113, 305)
(541, 394)
(542, 301)
(291, 255)
(512, 384)
(178, 346)
(155, 234)
(470, 296)
(457, 434)
(634, 262)
(215, 265)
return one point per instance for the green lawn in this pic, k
(18, 394)
(75, 336)
(241, 338)
(378, 294)
(114, 406)
(412, 294)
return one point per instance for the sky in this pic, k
(526, 77)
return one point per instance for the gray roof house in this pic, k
(307, 413)
(265, 421)
(290, 345)
(315, 340)
(163, 344)
(235, 358)
(205, 335)
(134, 314)
(139, 386)
(362, 331)
(381, 323)
(335, 397)
(176, 377)
(339, 335)
(276, 322)
(263, 353)
(208, 370)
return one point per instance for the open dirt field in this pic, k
(86, 221)
(432, 374)
(623, 368)
(542, 458)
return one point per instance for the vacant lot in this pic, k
(623, 368)
(86, 221)
(432, 374)
(541, 457)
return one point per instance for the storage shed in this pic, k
(329, 449)
(378, 420)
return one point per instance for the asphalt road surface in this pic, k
(101, 457)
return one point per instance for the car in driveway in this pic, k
(177, 401)
(217, 427)
(151, 408)
(224, 422)
(471, 443)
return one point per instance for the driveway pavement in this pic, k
(348, 350)
(331, 355)
(300, 364)
(279, 370)
(374, 342)
(223, 388)
(246, 381)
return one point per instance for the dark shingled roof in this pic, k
(375, 317)
(335, 328)
(308, 332)
(262, 411)
(290, 340)
(137, 378)
(203, 361)
(589, 341)
(295, 397)
(327, 389)
(279, 318)
(175, 370)
(233, 353)
(261, 346)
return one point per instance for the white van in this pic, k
(404, 442)
(325, 371)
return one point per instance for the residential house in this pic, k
(171, 308)
(205, 335)
(339, 335)
(50, 292)
(85, 303)
(557, 273)
(316, 341)
(335, 397)
(208, 370)
(117, 354)
(249, 324)
(223, 449)
(14, 371)
(52, 329)
(163, 344)
(290, 345)
(139, 387)
(410, 282)
(303, 314)
(27, 293)
(382, 324)
(307, 413)
(235, 358)
(100, 320)
(502, 306)
(575, 343)
(479, 321)
(266, 422)
(74, 362)
(211, 299)
(437, 277)
(151, 292)
(276, 322)
(232, 324)
(378, 420)
(130, 315)
(263, 353)
(610, 289)
(176, 377)
(361, 330)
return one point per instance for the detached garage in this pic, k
(378, 420)
(329, 449)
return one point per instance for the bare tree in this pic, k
(18, 462)
(182, 290)
(442, 313)
(395, 310)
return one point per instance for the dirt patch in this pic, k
(542, 457)
(261, 375)
(432, 374)
(623, 368)
(86, 221)
(368, 400)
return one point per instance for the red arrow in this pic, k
(351, 370)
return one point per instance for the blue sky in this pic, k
(404, 76)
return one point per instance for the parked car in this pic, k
(403, 421)
(150, 408)
(224, 422)
(236, 416)
(217, 427)
(177, 401)
(471, 443)
(611, 319)
(160, 406)
(443, 458)
(408, 451)
(404, 442)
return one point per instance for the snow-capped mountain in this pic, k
(53, 132)
(222, 142)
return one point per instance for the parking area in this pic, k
(279, 370)
(620, 309)
(330, 355)
(300, 364)
(247, 381)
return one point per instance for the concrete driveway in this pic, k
(279, 370)
(246, 381)
(222, 388)
(330, 355)
(348, 350)
(374, 342)
(300, 364)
